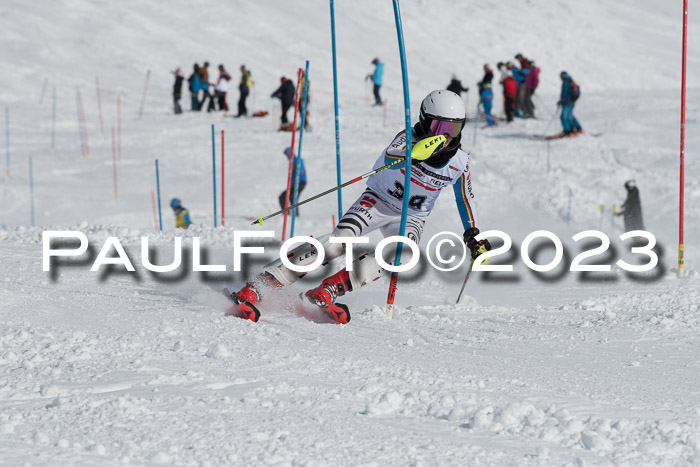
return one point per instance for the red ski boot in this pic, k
(249, 295)
(325, 294)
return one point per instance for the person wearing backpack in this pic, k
(570, 93)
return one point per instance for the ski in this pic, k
(247, 309)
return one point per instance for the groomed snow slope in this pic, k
(556, 369)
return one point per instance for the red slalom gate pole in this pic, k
(291, 155)
(681, 252)
(82, 117)
(155, 211)
(114, 166)
(223, 182)
(99, 104)
(119, 127)
(333, 219)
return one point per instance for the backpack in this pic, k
(575, 91)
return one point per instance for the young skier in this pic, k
(379, 207)
(182, 215)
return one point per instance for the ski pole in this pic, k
(551, 121)
(459, 297)
(421, 151)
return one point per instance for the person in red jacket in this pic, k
(532, 80)
(510, 90)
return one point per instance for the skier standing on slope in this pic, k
(569, 95)
(379, 207)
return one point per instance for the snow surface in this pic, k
(551, 369)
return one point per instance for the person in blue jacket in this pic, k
(195, 85)
(182, 215)
(376, 78)
(487, 101)
(302, 181)
(569, 94)
(520, 75)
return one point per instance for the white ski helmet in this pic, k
(442, 112)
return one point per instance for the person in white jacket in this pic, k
(221, 88)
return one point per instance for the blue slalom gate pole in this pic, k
(7, 138)
(31, 190)
(407, 182)
(160, 217)
(53, 120)
(213, 167)
(297, 156)
(337, 123)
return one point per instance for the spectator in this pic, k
(520, 74)
(221, 88)
(456, 86)
(177, 90)
(632, 208)
(532, 80)
(570, 93)
(195, 85)
(244, 88)
(488, 77)
(510, 90)
(376, 78)
(285, 93)
(204, 74)
(486, 102)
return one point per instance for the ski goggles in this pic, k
(439, 127)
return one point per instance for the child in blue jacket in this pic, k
(487, 102)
